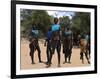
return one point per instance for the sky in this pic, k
(61, 13)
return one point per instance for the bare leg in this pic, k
(32, 57)
(86, 55)
(65, 58)
(69, 56)
(81, 57)
(39, 53)
(58, 51)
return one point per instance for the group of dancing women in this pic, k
(55, 37)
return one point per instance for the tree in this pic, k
(39, 17)
(65, 21)
(41, 20)
(81, 22)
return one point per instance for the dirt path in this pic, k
(26, 60)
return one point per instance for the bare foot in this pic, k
(48, 66)
(59, 65)
(64, 62)
(33, 63)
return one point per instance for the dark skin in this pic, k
(32, 49)
(55, 44)
(67, 46)
(34, 45)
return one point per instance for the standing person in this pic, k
(48, 43)
(67, 44)
(83, 48)
(35, 34)
(55, 40)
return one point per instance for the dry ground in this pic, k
(26, 60)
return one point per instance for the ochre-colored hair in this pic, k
(55, 20)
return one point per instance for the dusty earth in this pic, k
(26, 60)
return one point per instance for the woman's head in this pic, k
(56, 20)
(68, 28)
(34, 23)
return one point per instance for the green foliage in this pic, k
(64, 21)
(40, 18)
(81, 22)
